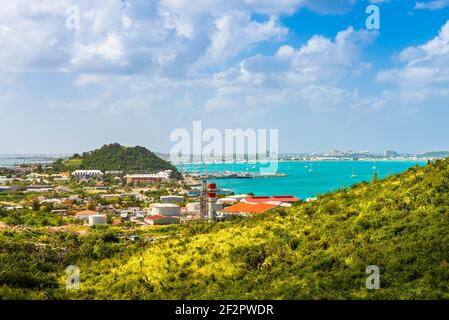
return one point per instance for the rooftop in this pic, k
(86, 213)
(244, 207)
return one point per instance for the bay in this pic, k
(303, 179)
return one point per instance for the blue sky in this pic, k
(136, 70)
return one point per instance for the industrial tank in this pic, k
(165, 209)
(97, 219)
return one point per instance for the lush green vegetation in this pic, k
(435, 154)
(114, 157)
(316, 250)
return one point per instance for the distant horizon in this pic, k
(69, 154)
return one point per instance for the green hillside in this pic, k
(317, 250)
(117, 157)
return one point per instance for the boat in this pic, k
(374, 166)
(353, 174)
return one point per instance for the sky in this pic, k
(132, 71)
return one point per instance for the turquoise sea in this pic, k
(304, 179)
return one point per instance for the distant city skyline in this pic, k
(133, 71)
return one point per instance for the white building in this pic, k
(87, 174)
(161, 220)
(148, 178)
(172, 199)
(97, 219)
(193, 207)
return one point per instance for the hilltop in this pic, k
(114, 156)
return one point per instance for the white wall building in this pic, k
(87, 174)
(97, 219)
(172, 199)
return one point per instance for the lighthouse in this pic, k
(212, 200)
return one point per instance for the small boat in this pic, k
(374, 166)
(353, 174)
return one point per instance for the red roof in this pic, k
(244, 207)
(261, 199)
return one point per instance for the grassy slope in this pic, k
(317, 250)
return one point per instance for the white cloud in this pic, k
(308, 76)
(432, 5)
(163, 36)
(424, 64)
(236, 32)
(424, 77)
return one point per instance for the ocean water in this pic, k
(326, 176)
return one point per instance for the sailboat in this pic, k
(353, 174)
(310, 165)
(374, 166)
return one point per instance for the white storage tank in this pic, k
(193, 207)
(165, 209)
(97, 219)
(172, 199)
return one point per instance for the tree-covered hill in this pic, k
(117, 157)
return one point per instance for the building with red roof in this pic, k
(244, 208)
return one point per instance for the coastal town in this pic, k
(74, 191)
(93, 197)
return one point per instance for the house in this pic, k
(87, 174)
(172, 199)
(61, 212)
(7, 188)
(60, 177)
(85, 214)
(37, 176)
(244, 208)
(40, 188)
(148, 178)
(113, 172)
(161, 220)
(4, 179)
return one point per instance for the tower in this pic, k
(212, 201)
(203, 200)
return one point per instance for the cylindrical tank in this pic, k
(97, 219)
(165, 209)
(172, 199)
(193, 207)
